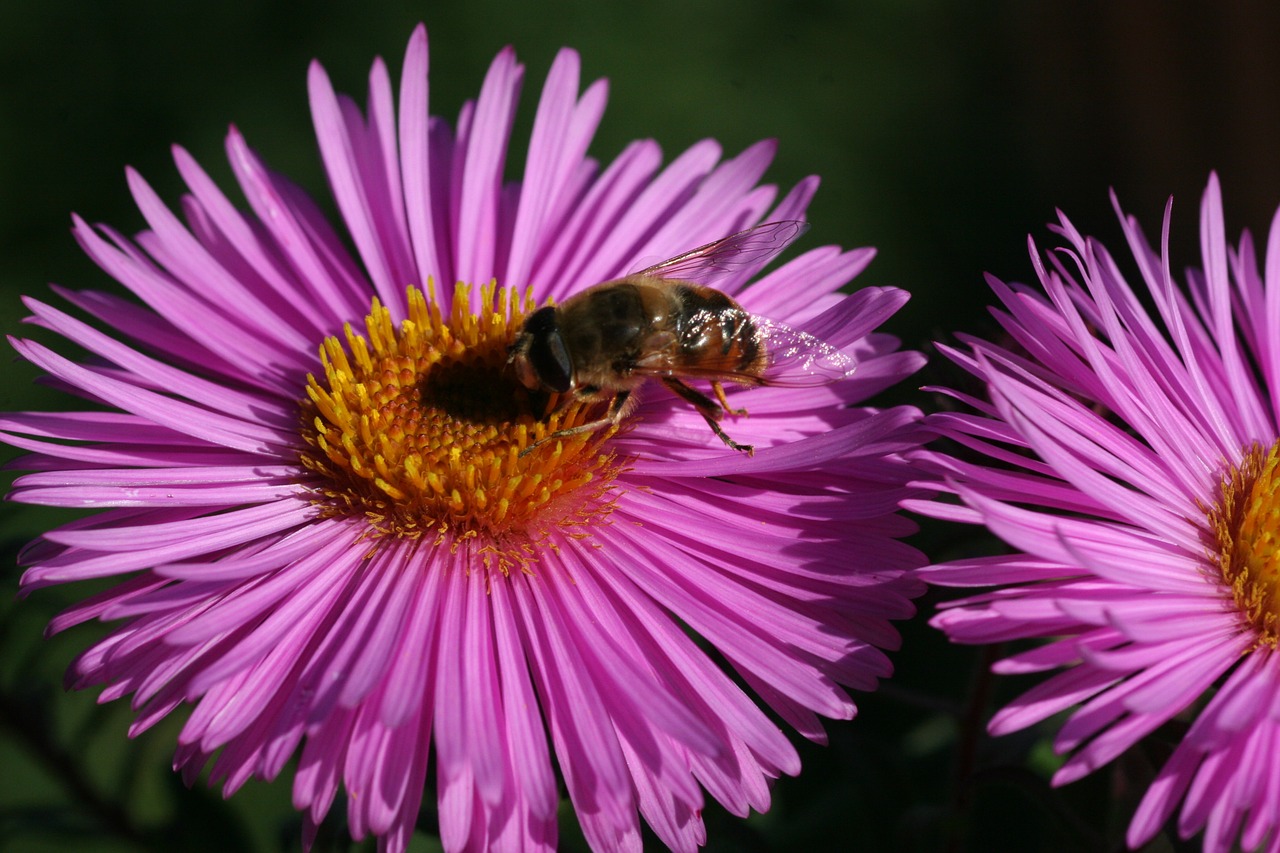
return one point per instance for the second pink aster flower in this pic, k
(1130, 455)
(308, 470)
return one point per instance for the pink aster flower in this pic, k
(1129, 456)
(329, 546)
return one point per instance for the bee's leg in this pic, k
(724, 401)
(710, 410)
(617, 408)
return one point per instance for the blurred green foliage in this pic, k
(944, 132)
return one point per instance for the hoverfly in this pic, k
(666, 323)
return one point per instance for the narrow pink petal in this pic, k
(335, 677)
(185, 418)
(564, 266)
(389, 618)
(315, 782)
(310, 303)
(188, 476)
(245, 525)
(382, 173)
(418, 171)
(724, 624)
(411, 671)
(561, 131)
(618, 666)
(187, 260)
(87, 496)
(95, 605)
(716, 208)
(1050, 697)
(468, 700)
(241, 604)
(797, 454)
(363, 197)
(1245, 407)
(677, 823)
(586, 745)
(157, 336)
(481, 170)
(823, 270)
(1202, 663)
(457, 805)
(210, 528)
(1126, 556)
(529, 758)
(1109, 744)
(313, 251)
(196, 318)
(387, 766)
(1270, 314)
(218, 396)
(1162, 796)
(271, 555)
(622, 249)
(399, 780)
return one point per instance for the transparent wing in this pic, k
(750, 248)
(799, 359)
(796, 359)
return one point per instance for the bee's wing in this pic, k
(752, 247)
(796, 359)
(799, 359)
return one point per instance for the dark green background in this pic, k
(945, 132)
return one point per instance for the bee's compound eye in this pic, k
(547, 352)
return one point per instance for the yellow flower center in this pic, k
(1245, 529)
(419, 430)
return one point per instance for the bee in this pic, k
(665, 322)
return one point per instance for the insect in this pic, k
(664, 322)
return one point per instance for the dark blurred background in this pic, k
(944, 132)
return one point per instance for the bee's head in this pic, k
(539, 354)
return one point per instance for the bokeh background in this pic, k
(945, 133)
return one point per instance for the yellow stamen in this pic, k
(1244, 527)
(419, 431)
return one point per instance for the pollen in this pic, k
(1244, 530)
(417, 429)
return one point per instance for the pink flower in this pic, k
(327, 540)
(1128, 456)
